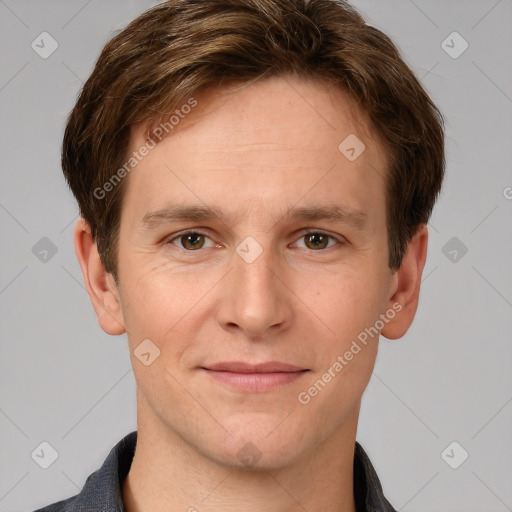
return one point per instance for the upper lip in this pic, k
(241, 367)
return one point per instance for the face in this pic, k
(247, 236)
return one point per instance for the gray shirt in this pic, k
(102, 491)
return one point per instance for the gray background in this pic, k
(64, 381)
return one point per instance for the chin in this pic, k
(260, 446)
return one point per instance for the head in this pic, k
(250, 110)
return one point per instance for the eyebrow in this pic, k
(201, 213)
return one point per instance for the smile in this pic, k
(254, 378)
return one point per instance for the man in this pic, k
(254, 180)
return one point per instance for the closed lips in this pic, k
(242, 367)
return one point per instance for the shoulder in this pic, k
(102, 489)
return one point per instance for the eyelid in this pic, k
(177, 236)
(340, 240)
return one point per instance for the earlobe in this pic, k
(406, 286)
(100, 285)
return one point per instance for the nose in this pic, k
(256, 298)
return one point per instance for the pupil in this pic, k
(191, 240)
(316, 239)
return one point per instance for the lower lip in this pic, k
(255, 381)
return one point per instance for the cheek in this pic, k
(349, 306)
(167, 307)
(153, 301)
(347, 303)
(154, 309)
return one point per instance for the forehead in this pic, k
(261, 106)
(278, 137)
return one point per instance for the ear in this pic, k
(405, 288)
(100, 285)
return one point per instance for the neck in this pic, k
(168, 474)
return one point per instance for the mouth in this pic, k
(254, 377)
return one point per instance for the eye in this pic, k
(315, 240)
(194, 240)
(190, 240)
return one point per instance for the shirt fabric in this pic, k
(102, 491)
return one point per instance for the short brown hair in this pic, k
(181, 47)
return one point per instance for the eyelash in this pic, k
(303, 234)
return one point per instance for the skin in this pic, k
(253, 152)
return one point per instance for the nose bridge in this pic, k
(256, 299)
(255, 265)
